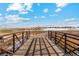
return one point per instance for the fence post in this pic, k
(28, 34)
(1, 41)
(65, 47)
(55, 37)
(13, 43)
(22, 37)
(50, 34)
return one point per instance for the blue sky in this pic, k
(38, 14)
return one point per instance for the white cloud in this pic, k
(74, 22)
(23, 12)
(45, 10)
(27, 18)
(71, 22)
(29, 6)
(14, 19)
(42, 16)
(60, 6)
(21, 7)
(35, 17)
(70, 19)
(0, 14)
(14, 6)
(53, 15)
(38, 4)
(58, 10)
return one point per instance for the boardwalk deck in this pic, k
(39, 46)
(39, 43)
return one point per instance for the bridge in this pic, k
(39, 43)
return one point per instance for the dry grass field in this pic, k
(10, 30)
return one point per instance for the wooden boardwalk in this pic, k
(39, 45)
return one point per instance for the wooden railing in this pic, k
(69, 43)
(10, 43)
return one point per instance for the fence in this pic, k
(69, 43)
(10, 43)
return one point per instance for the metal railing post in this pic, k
(55, 37)
(13, 43)
(1, 41)
(22, 37)
(65, 45)
(50, 34)
(28, 34)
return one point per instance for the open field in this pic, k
(10, 30)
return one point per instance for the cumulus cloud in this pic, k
(70, 19)
(29, 6)
(58, 10)
(35, 17)
(45, 10)
(71, 22)
(42, 16)
(0, 14)
(15, 6)
(38, 4)
(32, 10)
(12, 17)
(23, 12)
(21, 7)
(60, 6)
(53, 15)
(15, 18)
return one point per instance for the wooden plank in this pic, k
(34, 46)
(37, 49)
(24, 48)
(53, 47)
(40, 47)
(46, 47)
(29, 47)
